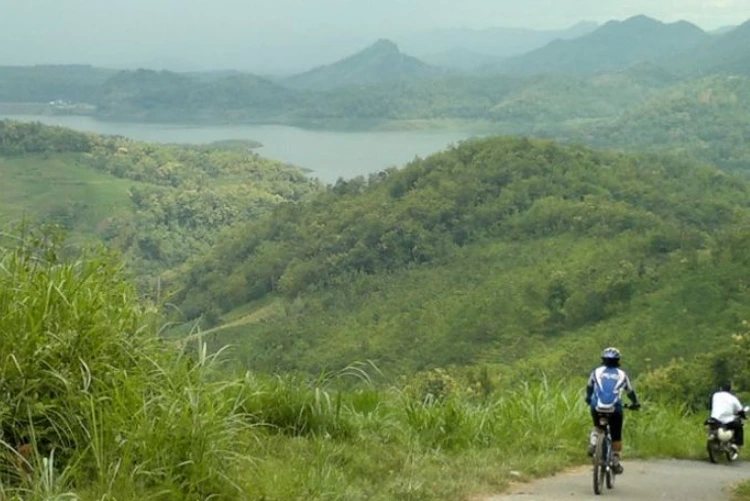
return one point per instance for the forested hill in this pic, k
(165, 95)
(497, 250)
(157, 204)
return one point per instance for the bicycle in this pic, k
(602, 458)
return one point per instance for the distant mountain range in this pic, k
(679, 47)
(604, 71)
(381, 62)
(613, 46)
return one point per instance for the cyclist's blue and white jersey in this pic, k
(608, 384)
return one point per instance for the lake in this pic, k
(329, 155)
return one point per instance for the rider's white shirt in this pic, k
(724, 406)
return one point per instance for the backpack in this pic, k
(607, 385)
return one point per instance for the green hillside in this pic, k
(497, 251)
(557, 103)
(158, 204)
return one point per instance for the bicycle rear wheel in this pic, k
(599, 463)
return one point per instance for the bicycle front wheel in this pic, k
(610, 470)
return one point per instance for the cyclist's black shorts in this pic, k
(615, 424)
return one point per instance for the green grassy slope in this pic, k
(61, 188)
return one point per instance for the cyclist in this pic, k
(604, 395)
(726, 408)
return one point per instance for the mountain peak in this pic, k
(380, 62)
(638, 21)
(384, 44)
(642, 19)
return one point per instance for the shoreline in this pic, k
(475, 126)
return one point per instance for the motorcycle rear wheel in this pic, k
(711, 452)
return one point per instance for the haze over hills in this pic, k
(495, 43)
(613, 46)
(378, 63)
(460, 59)
(722, 30)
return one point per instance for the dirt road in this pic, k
(643, 481)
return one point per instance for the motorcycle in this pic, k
(720, 440)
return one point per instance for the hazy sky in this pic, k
(271, 34)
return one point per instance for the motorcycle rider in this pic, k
(604, 395)
(725, 408)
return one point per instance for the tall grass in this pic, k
(103, 403)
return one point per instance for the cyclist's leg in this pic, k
(593, 434)
(615, 427)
